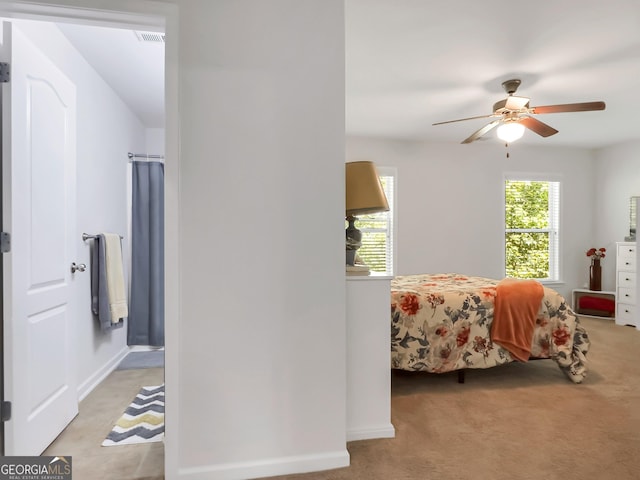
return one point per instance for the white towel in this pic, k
(115, 278)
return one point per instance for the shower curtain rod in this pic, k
(143, 155)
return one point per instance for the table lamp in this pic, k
(364, 194)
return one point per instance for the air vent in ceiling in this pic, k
(152, 37)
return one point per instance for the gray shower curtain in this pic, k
(146, 310)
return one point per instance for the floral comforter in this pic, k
(441, 323)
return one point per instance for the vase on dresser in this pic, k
(595, 275)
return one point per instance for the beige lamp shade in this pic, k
(363, 188)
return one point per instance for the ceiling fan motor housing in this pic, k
(511, 104)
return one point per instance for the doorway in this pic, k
(88, 383)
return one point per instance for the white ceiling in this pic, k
(411, 63)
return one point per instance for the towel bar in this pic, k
(86, 236)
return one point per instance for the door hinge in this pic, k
(5, 411)
(4, 72)
(5, 242)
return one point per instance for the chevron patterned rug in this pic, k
(142, 421)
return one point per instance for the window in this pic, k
(532, 229)
(378, 229)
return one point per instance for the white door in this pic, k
(38, 155)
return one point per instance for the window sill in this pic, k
(371, 276)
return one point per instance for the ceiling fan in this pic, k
(513, 114)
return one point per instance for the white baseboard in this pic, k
(383, 431)
(267, 468)
(94, 380)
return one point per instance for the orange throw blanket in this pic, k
(515, 313)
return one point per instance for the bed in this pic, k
(443, 322)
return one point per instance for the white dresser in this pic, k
(626, 312)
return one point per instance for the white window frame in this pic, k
(555, 262)
(391, 230)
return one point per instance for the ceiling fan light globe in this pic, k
(510, 132)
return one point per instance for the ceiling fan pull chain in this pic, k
(506, 145)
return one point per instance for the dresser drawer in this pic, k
(625, 314)
(627, 279)
(627, 295)
(626, 251)
(626, 263)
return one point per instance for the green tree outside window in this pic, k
(531, 229)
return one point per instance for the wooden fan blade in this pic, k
(463, 119)
(478, 133)
(569, 107)
(538, 127)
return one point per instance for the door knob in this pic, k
(81, 267)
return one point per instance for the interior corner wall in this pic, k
(450, 205)
(155, 141)
(106, 131)
(617, 177)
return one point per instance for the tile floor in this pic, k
(98, 412)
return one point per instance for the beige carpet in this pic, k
(83, 436)
(516, 422)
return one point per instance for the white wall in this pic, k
(262, 367)
(450, 206)
(155, 140)
(106, 131)
(617, 177)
